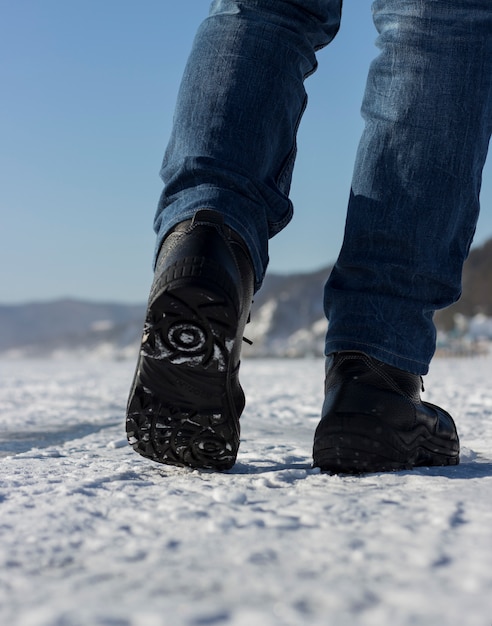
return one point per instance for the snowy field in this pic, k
(93, 534)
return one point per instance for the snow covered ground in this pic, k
(93, 534)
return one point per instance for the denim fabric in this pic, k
(415, 194)
(241, 99)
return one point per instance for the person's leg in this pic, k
(415, 194)
(227, 174)
(232, 146)
(411, 218)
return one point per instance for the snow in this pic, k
(91, 533)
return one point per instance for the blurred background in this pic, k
(88, 92)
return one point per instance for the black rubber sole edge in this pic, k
(186, 399)
(366, 446)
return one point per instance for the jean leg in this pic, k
(232, 147)
(415, 194)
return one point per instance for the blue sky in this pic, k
(88, 92)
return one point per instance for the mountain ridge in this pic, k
(287, 317)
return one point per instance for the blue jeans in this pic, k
(414, 200)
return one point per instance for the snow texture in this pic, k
(91, 533)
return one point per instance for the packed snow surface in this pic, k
(93, 534)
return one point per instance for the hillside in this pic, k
(477, 288)
(287, 318)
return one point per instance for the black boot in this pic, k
(374, 420)
(186, 399)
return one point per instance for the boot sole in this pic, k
(359, 444)
(185, 402)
